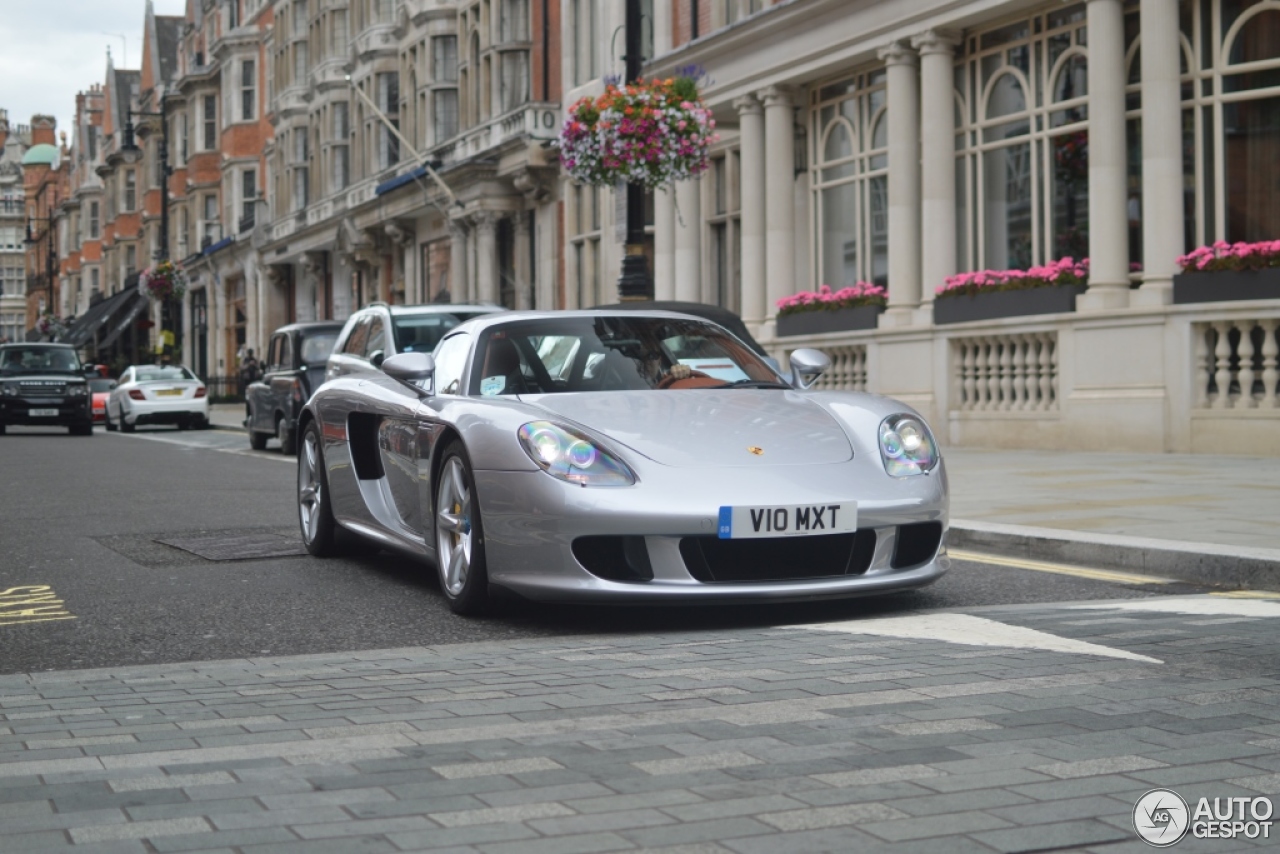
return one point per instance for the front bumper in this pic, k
(71, 411)
(531, 520)
(194, 410)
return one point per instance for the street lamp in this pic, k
(131, 153)
(51, 256)
(634, 283)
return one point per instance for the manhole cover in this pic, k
(238, 546)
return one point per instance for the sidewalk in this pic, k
(1199, 517)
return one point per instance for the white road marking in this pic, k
(972, 631)
(1215, 606)
(187, 443)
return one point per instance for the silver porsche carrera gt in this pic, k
(623, 456)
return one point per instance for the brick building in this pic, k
(44, 184)
(14, 142)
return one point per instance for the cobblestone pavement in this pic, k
(1022, 728)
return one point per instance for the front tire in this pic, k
(288, 441)
(125, 426)
(464, 578)
(315, 511)
(108, 423)
(258, 441)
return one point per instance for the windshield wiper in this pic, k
(755, 384)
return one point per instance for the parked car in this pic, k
(624, 456)
(157, 394)
(294, 367)
(380, 331)
(45, 385)
(99, 390)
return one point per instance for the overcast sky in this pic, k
(52, 49)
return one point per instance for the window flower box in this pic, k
(1224, 271)
(995, 294)
(817, 312)
(993, 305)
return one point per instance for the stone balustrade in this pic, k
(1236, 365)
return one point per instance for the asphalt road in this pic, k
(81, 516)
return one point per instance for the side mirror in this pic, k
(376, 357)
(807, 365)
(416, 370)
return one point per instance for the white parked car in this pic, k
(158, 394)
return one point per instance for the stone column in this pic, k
(1108, 215)
(457, 263)
(937, 163)
(1162, 226)
(688, 256)
(751, 183)
(903, 90)
(486, 226)
(522, 263)
(664, 243)
(779, 185)
(188, 334)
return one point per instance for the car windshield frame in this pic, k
(447, 322)
(35, 359)
(613, 352)
(306, 344)
(162, 374)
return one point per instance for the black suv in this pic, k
(293, 368)
(45, 385)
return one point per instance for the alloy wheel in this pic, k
(310, 487)
(454, 537)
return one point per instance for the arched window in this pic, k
(850, 180)
(1250, 131)
(1024, 144)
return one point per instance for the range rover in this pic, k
(45, 385)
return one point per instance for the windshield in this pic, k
(162, 373)
(317, 347)
(32, 360)
(420, 333)
(619, 353)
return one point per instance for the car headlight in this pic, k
(906, 446)
(570, 456)
(9, 389)
(78, 390)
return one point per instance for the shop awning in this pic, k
(99, 315)
(124, 318)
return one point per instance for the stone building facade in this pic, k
(14, 142)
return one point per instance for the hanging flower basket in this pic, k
(824, 310)
(650, 132)
(1229, 271)
(163, 281)
(50, 326)
(990, 294)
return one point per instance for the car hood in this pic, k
(708, 427)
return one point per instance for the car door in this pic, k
(261, 404)
(280, 380)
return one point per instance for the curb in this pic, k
(1202, 563)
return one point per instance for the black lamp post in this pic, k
(129, 148)
(51, 254)
(635, 283)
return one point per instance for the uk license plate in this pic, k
(43, 413)
(788, 520)
(168, 392)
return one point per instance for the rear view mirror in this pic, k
(807, 365)
(415, 370)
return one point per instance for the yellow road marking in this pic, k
(1246, 594)
(31, 603)
(1059, 568)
